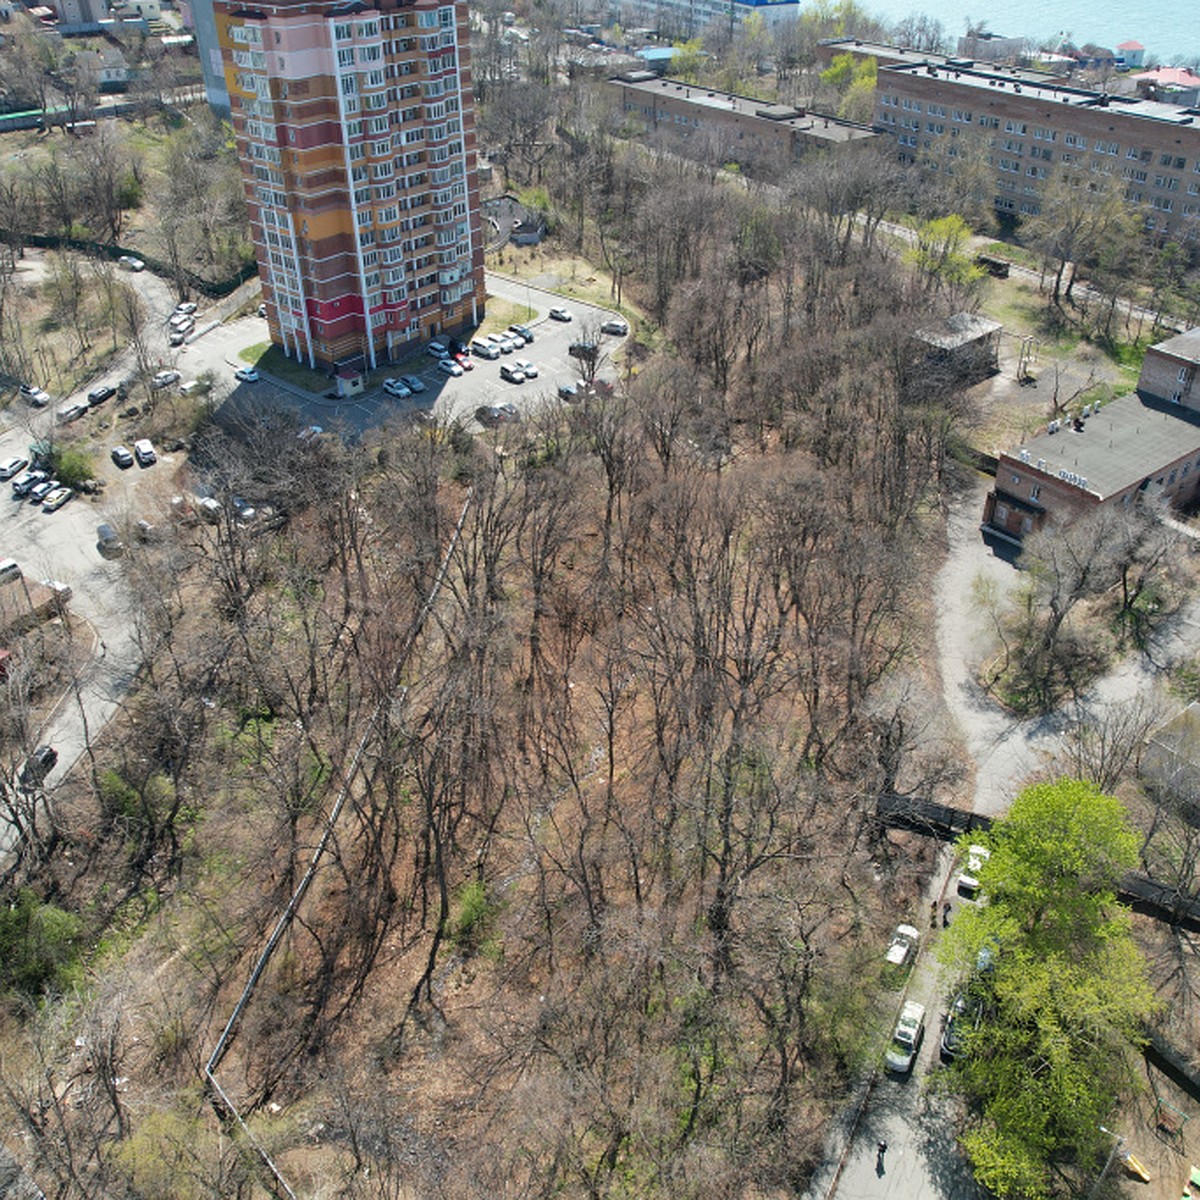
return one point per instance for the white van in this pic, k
(193, 387)
(9, 570)
(485, 349)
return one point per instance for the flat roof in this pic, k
(1128, 440)
(1019, 83)
(1182, 345)
(816, 125)
(958, 330)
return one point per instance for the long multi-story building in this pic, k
(355, 130)
(1032, 128)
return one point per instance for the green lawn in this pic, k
(271, 359)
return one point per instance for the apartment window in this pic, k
(1035, 491)
(446, 17)
(1132, 152)
(1075, 141)
(427, 19)
(375, 79)
(1183, 375)
(1014, 127)
(343, 32)
(370, 53)
(1044, 135)
(349, 85)
(369, 29)
(346, 56)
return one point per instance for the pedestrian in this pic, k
(103, 648)
(933, 914)
(945, 914)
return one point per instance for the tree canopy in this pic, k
(1061, 986)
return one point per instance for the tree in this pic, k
(943, 256)
(1063, 990)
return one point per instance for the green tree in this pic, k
(1063, 990)
(943, 255)
(689, 58)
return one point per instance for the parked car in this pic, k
(484, 348)
(38, 765)
(99, 395)
(585, 351)
(525, 367)
(246, 374)
(489, 416)
(210, 510)
(10, 569)
(615, 325)
(397, 387)
(181, 320)
(558, 313)
(968, 880)
(130, 263)
(524, 332)
(108, 541)
(56, 499)
(143, 451)
(903, 945)
(36, 396)
(965, 1015)
(568, 392)
(165, 379)
(40, 491)
(510, 372)
(187, 307)
(10, 466)
(176, 337)
(517, 340)
(122, 457)
(309, 432)
(62, 591)
(24, 484)
(449, 366)
(464, 360)
(436, 350)
(505, 347)
(906, 1039)
(510, 411)
(70, 412)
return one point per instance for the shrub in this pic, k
(39, 946)
(72, 467)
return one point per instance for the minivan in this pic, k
(193, 387)
(9, 570)
(108, 541)
(485, 349)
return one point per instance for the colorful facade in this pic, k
(355, 130)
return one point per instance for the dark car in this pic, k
(586, 351)
(568, 392)
(524, 331)
(108, 541)
(964, 1016)
(99, 395)
(122, 457)
(489, 416)
(38, 765)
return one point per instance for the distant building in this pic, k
(737, 129)
(965, 345)
(689, 18)
(1133, 54)
(198, 16)
(1035, 128)
(990, 47)
(1146, 444)
(1171, 85)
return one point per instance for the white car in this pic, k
(36, 396)
(414, 383)
(906, 1040)
(130, 263)
(396, 387)
(186, 307)
(558, 313)
(436, 350)
(903, 945)
(143, 451)
(968, 881)
(246, 374)
(56, 499)
(70, 412)
(10, 466)
(615, 326)
(525, 367)
(449, 366)
(165, 379)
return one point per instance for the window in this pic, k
(1035, 491)
(1014, 127)
(346, 56)
(343, 32)
(1016, 481)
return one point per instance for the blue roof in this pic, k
(657, 53)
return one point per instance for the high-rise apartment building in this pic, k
(355, 129)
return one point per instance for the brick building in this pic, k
(1142, 445)
(355, 130)
(1034, 127)
(734, 128)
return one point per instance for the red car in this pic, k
(464, 361)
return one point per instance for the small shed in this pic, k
(968, 344)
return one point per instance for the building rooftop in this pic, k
(1182, 345)
(1125, 442)
(1131, 45)
(958, 330)
(1168, 76)
(1035, 87)
(815, 125)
